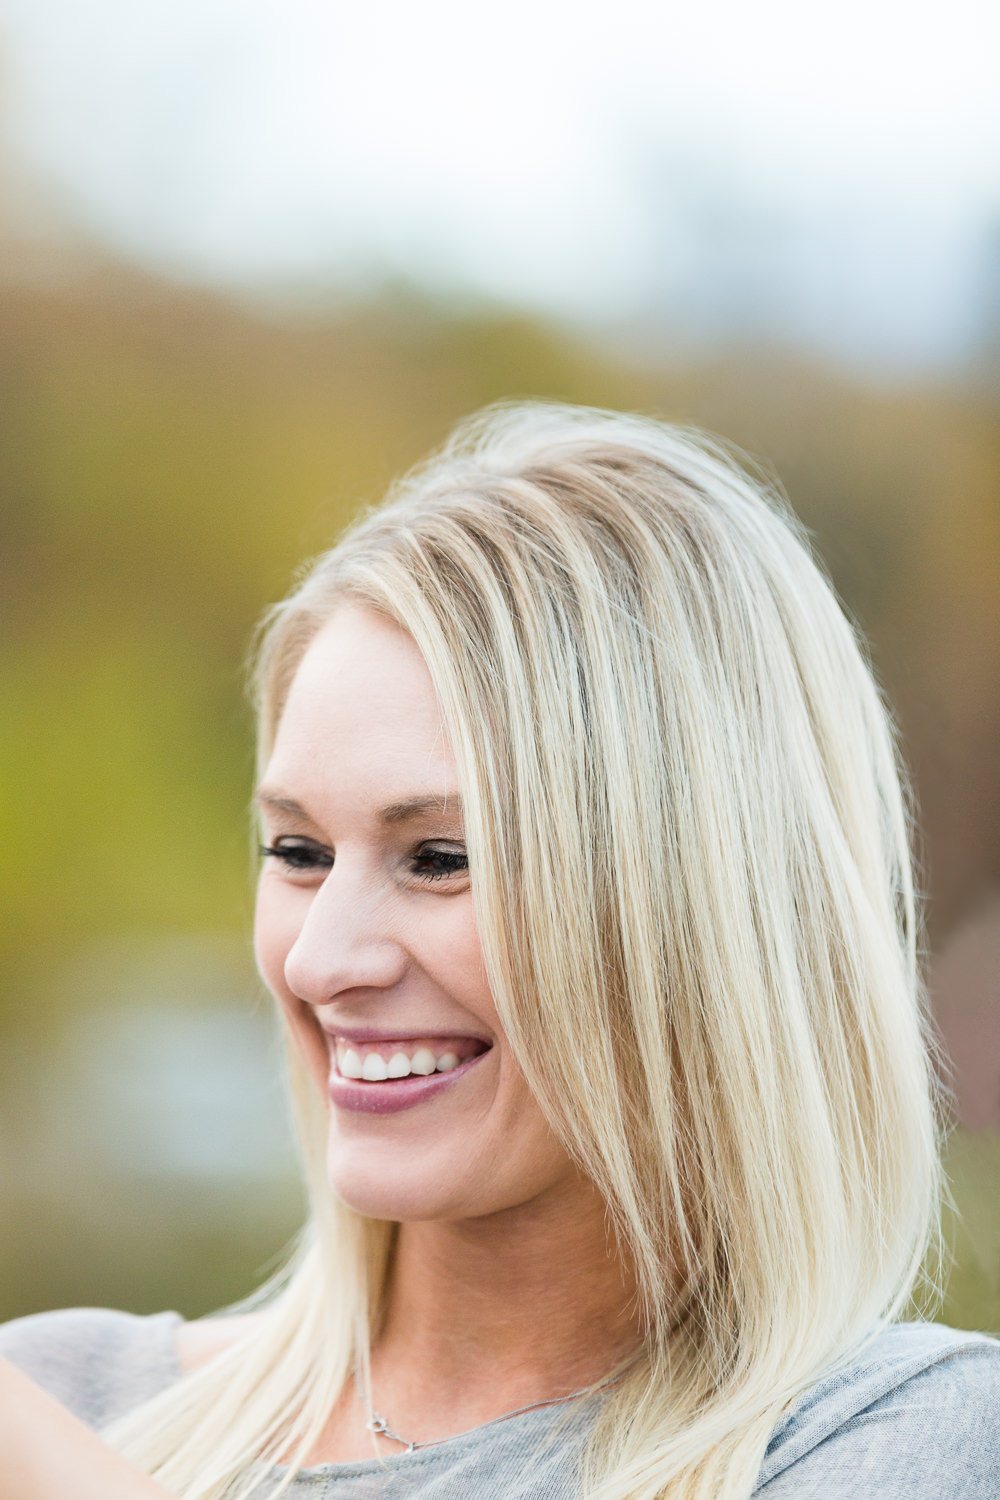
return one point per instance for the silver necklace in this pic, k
(377, 1423)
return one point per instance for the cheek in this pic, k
(445, 945)
(277, 923)
(276, 927)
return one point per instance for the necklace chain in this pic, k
(377, 1423)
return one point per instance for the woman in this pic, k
(587, 903)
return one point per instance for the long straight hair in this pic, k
(703, 954)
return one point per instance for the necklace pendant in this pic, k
(381, 1428)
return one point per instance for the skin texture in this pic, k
(49, 1455)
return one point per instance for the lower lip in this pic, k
(395, 1093)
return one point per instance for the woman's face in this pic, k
(366, 933)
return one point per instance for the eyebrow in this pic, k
(395, 812)
(277, 803)
(418, 807)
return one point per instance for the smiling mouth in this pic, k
(378, 1062)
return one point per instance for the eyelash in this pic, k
(297, 854)
(302, 856)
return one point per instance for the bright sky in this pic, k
(562, 153)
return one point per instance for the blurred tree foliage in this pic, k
(972, 1232)
(168, 459)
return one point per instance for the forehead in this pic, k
(362, 713)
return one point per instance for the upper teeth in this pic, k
(374, 1068)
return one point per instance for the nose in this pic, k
(346, 942)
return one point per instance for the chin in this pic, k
(391, 1190)
(444, 1181)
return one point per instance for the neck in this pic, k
(484, 1316)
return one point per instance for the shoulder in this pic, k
(97, 1362)
(914, 1415)
(197, 1343)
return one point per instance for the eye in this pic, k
(439, 861)
(298, 854)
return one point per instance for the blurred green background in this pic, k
(254, 261)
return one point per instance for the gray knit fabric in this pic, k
(916, 1416)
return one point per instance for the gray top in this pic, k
(915, 1416)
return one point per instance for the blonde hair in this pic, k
(704, 955)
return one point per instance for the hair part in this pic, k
(705, 962)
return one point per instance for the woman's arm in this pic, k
(47, 1454)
